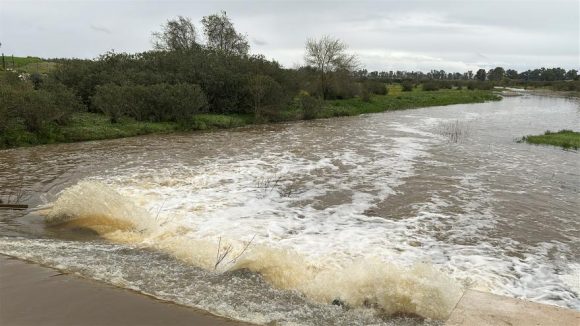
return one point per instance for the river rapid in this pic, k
(377, 219)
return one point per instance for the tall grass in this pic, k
(455, 131)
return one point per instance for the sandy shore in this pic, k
(34, 295)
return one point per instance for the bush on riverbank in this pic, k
(30, 115)
(155, 103)
(566, 139)
(92, 126)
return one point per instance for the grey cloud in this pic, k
(259, 42)
(391, 35)
(100, 29)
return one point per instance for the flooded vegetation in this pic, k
(566, 139)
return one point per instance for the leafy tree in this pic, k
(222, 36)
(572, 74)
(176, 35)
(480, 75)
(496, 74)
(328, 54)
(511, 74)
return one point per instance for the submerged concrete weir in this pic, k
(480, 308)
(474, 309)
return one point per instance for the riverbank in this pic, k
(93, 126)
(34, 295)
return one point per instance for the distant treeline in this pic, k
(496, 74)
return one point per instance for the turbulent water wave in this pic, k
(390, 289)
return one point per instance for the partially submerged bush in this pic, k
(455, 131)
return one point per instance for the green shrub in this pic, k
(375, 87)
(158, 102)
(407, 86)
(365, 95)
(214, 121)
(472, 85)
(29, 115)
(309, 105)
(267, 97)
(430, 86)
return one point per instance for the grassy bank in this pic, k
(398, 100)
(93, 126)
(566, 139)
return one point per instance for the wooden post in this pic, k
(13, 206)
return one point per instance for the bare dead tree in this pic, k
(329, 54)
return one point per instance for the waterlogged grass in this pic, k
(217, 121)
(566, 139)
(93, 126)
(405, 100)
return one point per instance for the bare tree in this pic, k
(328, 54)
(176, 35)
(222, 36)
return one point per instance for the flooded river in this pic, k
(340, 221)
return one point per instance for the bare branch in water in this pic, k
(15, 194)
(223, 253)
(243, 250)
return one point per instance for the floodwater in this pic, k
(377, 219)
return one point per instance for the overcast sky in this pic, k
(387, 35)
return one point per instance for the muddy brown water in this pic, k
(339, 210)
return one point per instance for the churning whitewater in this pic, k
(342, 221)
